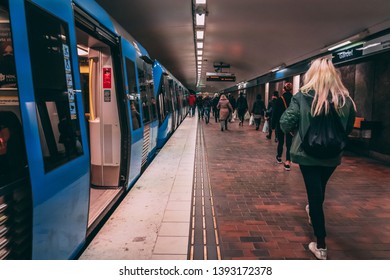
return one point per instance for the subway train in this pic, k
(83, 111)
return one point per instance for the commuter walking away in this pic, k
(199, 104)
(242, 108)
(206, 107)
(232, 101)
(281, 105)
(322, 95)
(215, 109)
(268, 114)
(225, 108)
(192, 103)
(258, 109)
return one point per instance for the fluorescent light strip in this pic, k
(199, 45)
(339, 45)
(200, 2)
(200, 19)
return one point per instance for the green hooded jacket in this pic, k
(296, 120)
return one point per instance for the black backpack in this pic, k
(326, 136)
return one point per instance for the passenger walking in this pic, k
(206, 107)
(215, 109)
(199, 104)
(232, 101)
(258, 109)
(281, 105)
(322, 87)
(269, 112)
(192, 103)
(242, 108)
(225, 108)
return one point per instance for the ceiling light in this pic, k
(200, 34)
(199, 45)
(339, 45)
(200, 52)
(200, 19)
(369, 46)
(200, 1)
(278, 68)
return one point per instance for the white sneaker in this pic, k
(308, 213)
(320, 254)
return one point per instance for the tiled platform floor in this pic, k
(260, 206)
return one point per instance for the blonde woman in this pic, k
(322, 86)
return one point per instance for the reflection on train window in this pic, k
(7, 62)
(59, 126)
(145, 78)
(133, 96)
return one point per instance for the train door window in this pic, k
(51, 64)
(167, 98)
(161, 100)
(133, 94)
(13, 160)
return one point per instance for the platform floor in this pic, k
(258, 207)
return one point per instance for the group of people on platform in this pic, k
(292, 116)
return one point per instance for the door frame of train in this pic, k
(136, 135)
(60, 196)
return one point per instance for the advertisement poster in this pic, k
(7, 62)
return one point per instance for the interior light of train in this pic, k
(82, 51)
(199, 45)
(200, 1)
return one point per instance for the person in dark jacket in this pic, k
(214, 103)
(242, 108)
(199, 104)
(232, 101)
(268, 115)
(281, 105)
(322, 86)
(258, 110)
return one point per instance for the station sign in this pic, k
(220, 77)
(348, 54)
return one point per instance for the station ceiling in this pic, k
(253, 36)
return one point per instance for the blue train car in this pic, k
(172, 104)
(79, 122)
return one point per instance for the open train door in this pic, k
(105, 113)
(51, 113)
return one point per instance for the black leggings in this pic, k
(281, 136)
(316, 178)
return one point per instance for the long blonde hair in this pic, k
(324, 79)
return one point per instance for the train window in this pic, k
(161, 100)
(133, 94)
(145, 78)
(56, 104)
